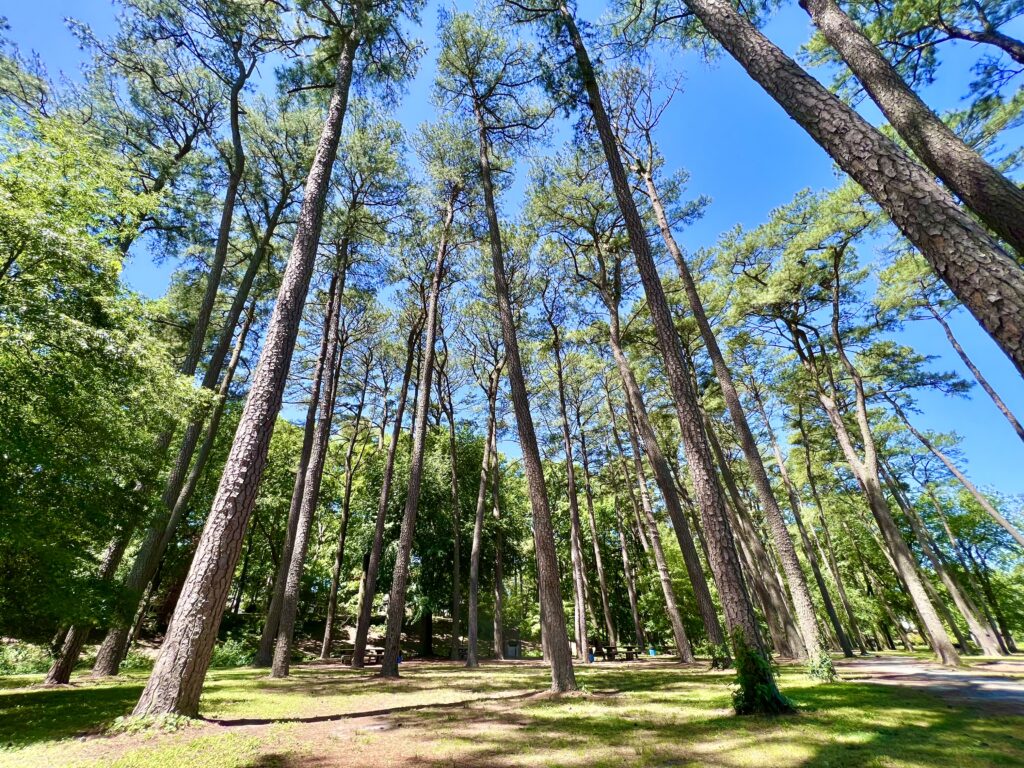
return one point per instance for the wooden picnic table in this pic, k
(374, 655)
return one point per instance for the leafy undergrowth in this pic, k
(439, 714)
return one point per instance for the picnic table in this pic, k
(609, 652)
(374, 654)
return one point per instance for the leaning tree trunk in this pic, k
(725, 565)
(177, 678)
(346, 508)
(762, 573)
(555, 640)
(444, 396)
(599, 563)
(798, 589)
(478, 527)
(996, 200)
(400, 578)
(983, 635)
(265, 651)
(281, 664)
(985, 279)
(650, 525)
(663, 477)
(977, 495)
(377, 546)
(979, 377)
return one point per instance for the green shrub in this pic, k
(136, 661)
(23, 659)
(232, 653)
(820, 666)
(757, 693)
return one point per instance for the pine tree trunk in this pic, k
(627, 569)
(598, 562)
(499, 565)
(400, 577)
(444, 396)
(377, 546)
(833, 564)
(265, 651)
(761, 569)
(478, 527)
(76, 636)
(987, 281)
(986, 639)
(725, 564)
(663, 477)
(346, 507)
(555, 640)
(996, 200)
(281, 664)
(177, 679)
(798, 589)
(575, 547)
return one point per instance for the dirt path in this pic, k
(991, 686)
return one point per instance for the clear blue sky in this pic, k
(740, 149)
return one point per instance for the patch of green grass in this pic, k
(657, 714)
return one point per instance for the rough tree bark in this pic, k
(725, 564)
(555, 640)
(988, 282)
(996, 200)
(588, 491)
(177, 678)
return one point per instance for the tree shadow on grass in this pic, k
(31, 715)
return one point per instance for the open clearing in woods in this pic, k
(651, 713)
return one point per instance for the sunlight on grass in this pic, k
(656, 714)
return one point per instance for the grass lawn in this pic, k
(654, 713)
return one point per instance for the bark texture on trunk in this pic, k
(609, 625)
(177, 678)
(988, 282)
(476, 552)
(499, 564)
(994, 198)
(555, 640)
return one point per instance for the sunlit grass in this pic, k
(654, 714)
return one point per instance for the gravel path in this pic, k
(991, 686)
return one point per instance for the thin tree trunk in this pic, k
(833, 564)
(76, 636)
(575, 546)
(977, 495)
(400, 578)
(986, 639)
(377, 547)
(682, 641)
(444, 397)
(761, 571)
(499, 565)
(798, 589)
(478, 527)
(987, 281)
(281, 664)
(589, 495)
(990, 595)
(725, 564)
(265, 651)
(552, 612)
(346, 507)
(994, 198)
(989, 390)
(177, 678)
(663, 477)
(627, 569)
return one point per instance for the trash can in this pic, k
(512, 648)
(651, 652)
